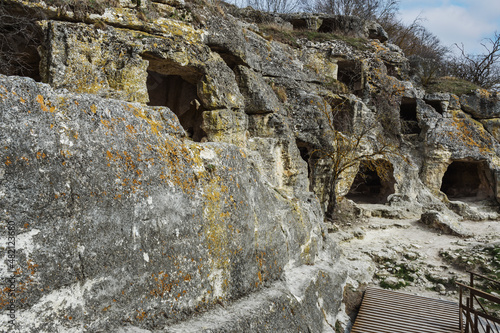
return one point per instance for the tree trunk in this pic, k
(332, 202)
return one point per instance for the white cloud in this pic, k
(466, 21)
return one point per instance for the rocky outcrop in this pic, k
(443, 224)
(166, 172)
(115, 210)
(481, 104)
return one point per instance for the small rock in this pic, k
(359, 234)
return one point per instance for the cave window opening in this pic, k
(229, 58)
(299, 24)
(21, 40)
(329, 25)
(373, 183)
(349, 73)
(305, 153)
(180, 96)
(408, 114)
(391, 70)
(468, 181)
(436, 105)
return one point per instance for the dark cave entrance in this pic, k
(21, 38)
(305, 152)
(468, 180)
(436, 105)
(299, 24)
(408, 115)
(373, 183)
(175, 87)
(349, 73)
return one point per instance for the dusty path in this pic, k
(408, 255)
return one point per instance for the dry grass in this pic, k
(452, 85)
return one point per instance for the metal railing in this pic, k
(474, 318)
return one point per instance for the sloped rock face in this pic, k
(115, 212)
(170, 167)
(481, 104)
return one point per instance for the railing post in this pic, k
(468, 321)
(460, 315)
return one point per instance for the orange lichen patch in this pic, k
(141, 113)
(141, 315)
(7, 161)
(65, 153)
(93, 108)
(22, 282)
(40, 155)
(106, 123)
(472, 134)
(217, 234)
(131, 129)
(43, 105)
(163, 284)
(483, 93)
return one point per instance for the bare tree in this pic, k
(360, 140)
(272, 6)
(365, 9)
(414, 39)
(481, 69)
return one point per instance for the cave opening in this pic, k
(231, 60)
(408, 115)
(305, 153)
(21, 39)
(299, 24)
(328, 25)
(176, 88)
(373, 183)
(349, 72)
(436, 105)
(470, 180)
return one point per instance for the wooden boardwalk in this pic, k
(385, 311)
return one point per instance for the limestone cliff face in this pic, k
(161, 177)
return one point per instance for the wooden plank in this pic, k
(407, 323)
(413, 309)
(378, 291)
(384, 311)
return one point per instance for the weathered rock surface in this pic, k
(481, 104)
(442, 223)
(148, 220)
(165, 177)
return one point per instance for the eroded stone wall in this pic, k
(138, 209)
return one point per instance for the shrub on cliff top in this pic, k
(82, 8)
(452, 85)
(290, 37)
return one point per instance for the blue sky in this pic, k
(457, 21)
(452, 21)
